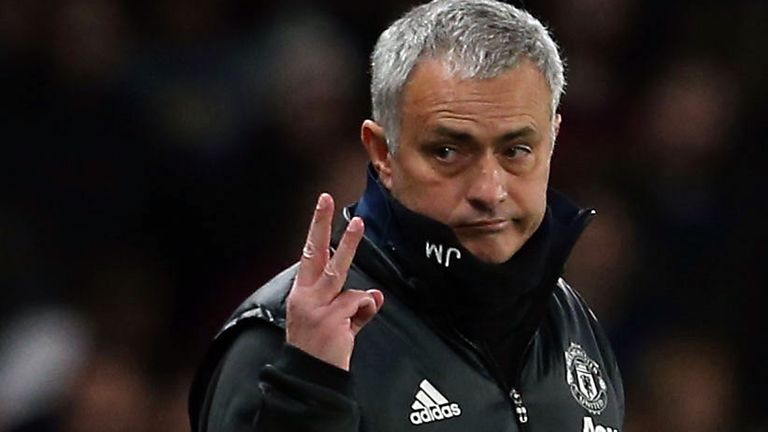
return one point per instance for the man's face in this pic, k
(475, 155)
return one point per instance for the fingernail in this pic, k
(322, 202)
(373, 293)
(356, 224)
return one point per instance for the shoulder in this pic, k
(576, 322)
(267, 303)
(570, 303)
(573, 316)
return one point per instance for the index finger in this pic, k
(316, 250)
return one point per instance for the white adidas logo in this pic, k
(430, 405)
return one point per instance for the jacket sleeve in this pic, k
(261, 384)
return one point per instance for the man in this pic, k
(458, 232)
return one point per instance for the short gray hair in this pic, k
(477, 39)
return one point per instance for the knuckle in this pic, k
(312, 251)
(338, 267)
(294, 296)
(290, 303)
(340, 300)
(293, 309)
(347, 298)
(296, 302)
(331, 271)
(309, 251)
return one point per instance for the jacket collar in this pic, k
(440, 278)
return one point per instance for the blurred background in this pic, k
(161, 159)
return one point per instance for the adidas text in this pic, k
(435, 413)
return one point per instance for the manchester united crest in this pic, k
(585, 380)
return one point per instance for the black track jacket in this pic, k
(407, 372)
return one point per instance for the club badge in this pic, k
(585, 380)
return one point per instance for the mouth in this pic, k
(485, 226)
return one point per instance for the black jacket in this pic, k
(411, 369)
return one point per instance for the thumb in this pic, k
(366, 310)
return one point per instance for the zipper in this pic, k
(520, 409)
(517, 398)
(521, 412)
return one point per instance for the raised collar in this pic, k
(450, 285)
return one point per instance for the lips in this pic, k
(485, 225)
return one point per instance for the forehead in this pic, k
(433, 93)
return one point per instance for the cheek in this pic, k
(420, 189)
(425, 196)
(407, 183)
(531, 193)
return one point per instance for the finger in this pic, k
(378, 297)
(366, 313)
(335, 271)
(347, 304)
(314, 256)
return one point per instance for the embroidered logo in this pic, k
(437, 250)
(585, 380)
(430, 405)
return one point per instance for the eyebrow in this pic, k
(461, 136)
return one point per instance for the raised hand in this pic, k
(323, 320)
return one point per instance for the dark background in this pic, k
(161, 159)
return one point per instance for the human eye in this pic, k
(445, 153)
(517, 151)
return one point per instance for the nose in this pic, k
(487, 188)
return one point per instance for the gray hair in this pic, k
(477, 39)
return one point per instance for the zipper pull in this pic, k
(520, 409)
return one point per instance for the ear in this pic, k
(372, 136)
(555, 131)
